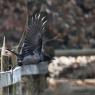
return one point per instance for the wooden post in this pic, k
(17, 86)
(4, 66)
(34, 84)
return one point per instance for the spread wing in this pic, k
(33, 36)
(35, 29)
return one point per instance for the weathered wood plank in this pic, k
(41, 68)
(74, 52)
(12, 77)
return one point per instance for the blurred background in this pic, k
(72, 22)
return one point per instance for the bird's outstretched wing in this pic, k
(32, 46)
(34, 34)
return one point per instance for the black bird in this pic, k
(32, 49)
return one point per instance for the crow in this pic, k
(32, 48)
